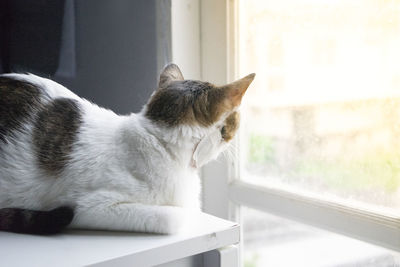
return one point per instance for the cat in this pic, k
(65, 162)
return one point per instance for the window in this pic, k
(319, 141)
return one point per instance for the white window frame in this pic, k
(208, 28)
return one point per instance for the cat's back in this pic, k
(49, 138)
(10, 82)
(18, 100)
(22, 97)
(39, 120)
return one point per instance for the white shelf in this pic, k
(99, 248)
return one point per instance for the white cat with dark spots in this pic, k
(65, 162)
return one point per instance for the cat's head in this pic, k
(179, 102)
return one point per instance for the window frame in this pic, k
(223, 191)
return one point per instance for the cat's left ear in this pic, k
(170, 73)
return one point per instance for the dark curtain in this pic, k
(109, 52)
(31, 35)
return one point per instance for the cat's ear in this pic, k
(235, 90)
(170, 73)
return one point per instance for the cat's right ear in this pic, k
(170, 73)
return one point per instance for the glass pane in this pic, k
(323, 114)
(273, 241)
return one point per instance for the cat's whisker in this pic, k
(229, 153)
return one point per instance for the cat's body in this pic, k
(105, 171)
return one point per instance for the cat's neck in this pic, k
(177, 142)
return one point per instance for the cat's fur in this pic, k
(65, 161)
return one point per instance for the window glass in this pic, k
(323, 114)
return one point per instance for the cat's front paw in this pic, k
(171, 221)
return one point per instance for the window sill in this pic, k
(99, 248)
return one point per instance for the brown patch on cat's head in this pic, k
(189, 102)
(231, 125)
